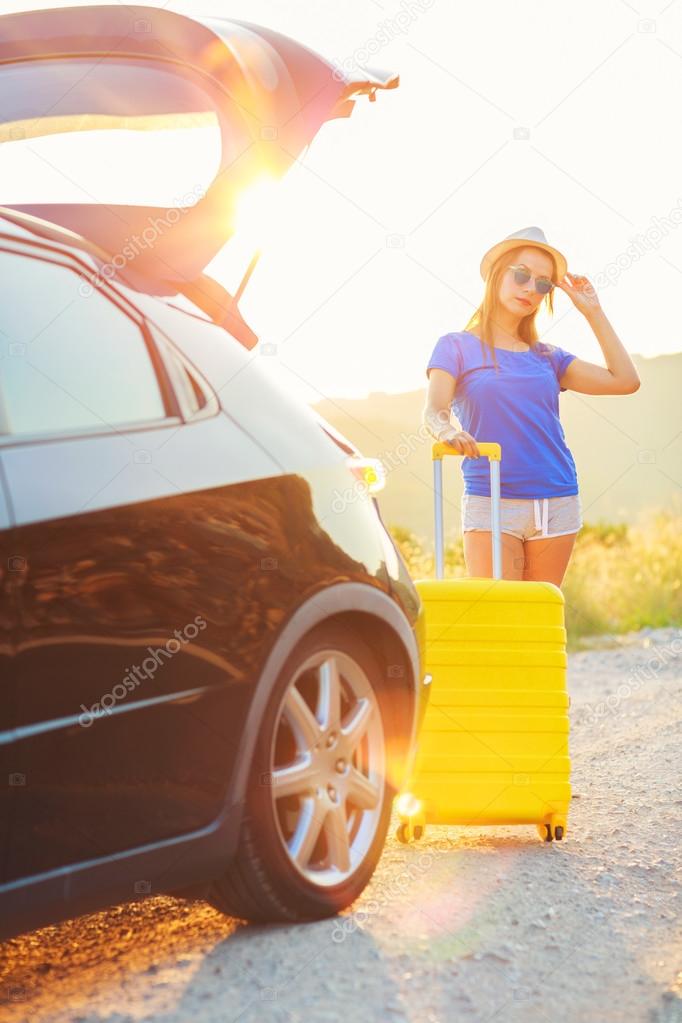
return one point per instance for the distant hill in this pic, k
(627, 448)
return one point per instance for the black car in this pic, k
(211, 652)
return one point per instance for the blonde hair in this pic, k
(485, 316)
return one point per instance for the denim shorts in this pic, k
(533, 518)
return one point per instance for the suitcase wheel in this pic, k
(407, 832)
(548, 832)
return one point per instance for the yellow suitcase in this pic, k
(493, 743)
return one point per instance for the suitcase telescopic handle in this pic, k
(494, 452)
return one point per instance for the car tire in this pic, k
(319, 771)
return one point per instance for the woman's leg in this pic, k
(478, 554)
(547, 559)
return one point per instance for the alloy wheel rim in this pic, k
(327, 768)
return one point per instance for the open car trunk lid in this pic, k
(80, 69)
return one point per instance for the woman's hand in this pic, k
(581, 293)
(460, 440)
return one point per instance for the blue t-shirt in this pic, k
(517, 406)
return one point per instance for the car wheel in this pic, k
(319, 801)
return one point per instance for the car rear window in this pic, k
(83, 130)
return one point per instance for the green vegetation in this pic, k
(621, 577)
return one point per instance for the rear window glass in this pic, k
(78, 130)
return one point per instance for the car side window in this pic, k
(192, 397)
(70, 358)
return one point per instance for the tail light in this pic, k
(369, 471)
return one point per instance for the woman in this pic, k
(505, 384)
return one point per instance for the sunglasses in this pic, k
(543, 285)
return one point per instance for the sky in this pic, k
(555, 115)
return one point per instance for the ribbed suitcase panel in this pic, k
(550, 637)
(510, 697)
(504, 744)
(493, 654)
(469, 675)
(494, 800)
(453, 720)
(487, 762)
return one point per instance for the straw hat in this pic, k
(531, 236)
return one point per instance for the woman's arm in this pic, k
(620, 374)
(436, 414)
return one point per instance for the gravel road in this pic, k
(470, 924)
